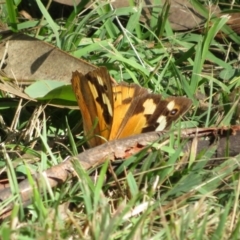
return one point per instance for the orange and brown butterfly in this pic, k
(122, 109)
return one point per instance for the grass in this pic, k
(159, 195)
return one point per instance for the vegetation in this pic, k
(165, 194)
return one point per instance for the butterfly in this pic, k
(113, 111)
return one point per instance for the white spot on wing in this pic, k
(162, 123)
(94, 90)
(104, 96)
(100, 81)
(149, 106)
(171, 105)
(107, 101)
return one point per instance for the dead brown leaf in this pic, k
(30, 59)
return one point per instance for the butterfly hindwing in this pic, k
(94, 97)
(86, 106)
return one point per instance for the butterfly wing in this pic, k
(162, 118)
(94, 96)
(141, 111)
(122, 110)
(125, 100)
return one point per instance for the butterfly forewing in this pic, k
(148, 112)
(123, 95)
(126, 110)
(175, 107)
(167, 111)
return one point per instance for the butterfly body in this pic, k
(122, 109)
